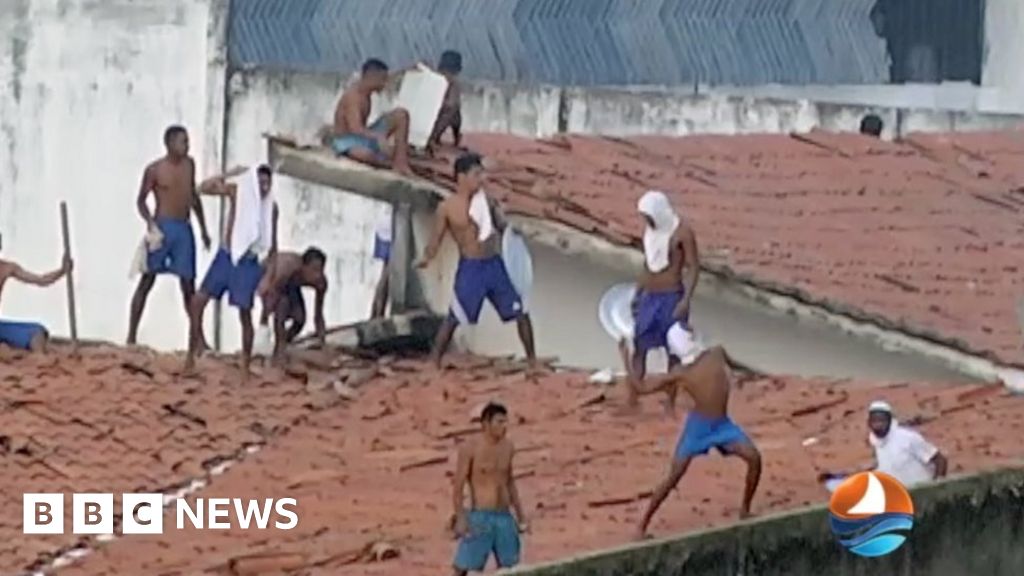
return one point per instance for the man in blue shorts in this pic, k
(251, 229)
(488, 527)
(666, 287)
(705, 376)
(172, 181)
(287, 273)
(473, 221)
(27, 335)
(382, 252)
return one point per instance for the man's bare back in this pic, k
(706, 381)
(280, 268)
(172, 184)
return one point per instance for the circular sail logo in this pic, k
(871, 514)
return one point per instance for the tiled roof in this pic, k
(923, 235)
(379, 469)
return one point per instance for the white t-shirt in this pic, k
(905, 455)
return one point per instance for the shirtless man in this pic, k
(481, 273)
(172, 181)
(353, 138)
(704, 376)
(287, 273)
(486, 465)
(666, 287)
(27, 335)
(450, 115)
(240, 279)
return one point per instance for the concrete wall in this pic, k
(1004, 48)
(965, 526)
(88, 88)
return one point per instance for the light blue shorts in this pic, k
(489, 532)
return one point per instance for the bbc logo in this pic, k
(144, 513)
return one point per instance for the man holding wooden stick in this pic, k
(28, 335)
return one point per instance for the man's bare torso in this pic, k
(670, 279)
(465, 231)
(282, 269)
(707, 382)
(352, 98)
(489, 470)
(173, 187)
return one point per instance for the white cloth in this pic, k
(684, 344)
(658, 239)
(880, 406)
(904, 454)
(480, 212)
(254, 217)
(150, 241)
(383, 225)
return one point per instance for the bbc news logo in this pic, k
(144, 513)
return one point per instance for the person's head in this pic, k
(880, 418)
(871, 125)
(375, 74)
(265, 176)
(469, 172)
(494, 419)
(656, 210)
(313, 261)
(176, 141)
(450, 63)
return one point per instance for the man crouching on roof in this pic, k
(27, 335)
(352, 136)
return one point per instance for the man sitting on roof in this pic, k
(27, 335)
(352, 137)
(665, 289)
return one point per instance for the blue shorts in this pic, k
(342, 145)
(381, 248)
(239, 280)
(701, 434)
(655, 314)
(487, 278)
(489, 532)
(19, 334)
(177, 253)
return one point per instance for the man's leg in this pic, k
(443, 340)
(281, 313)
(675, 473)
(38, 343)
(752, 456)
(368, 157)
(245, 318)
(525, 326)
(298, 322)
(138, 305)
(398, 130)
(380, 296)
(195, 325)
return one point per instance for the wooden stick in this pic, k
(72, 317)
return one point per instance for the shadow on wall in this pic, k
(931, 41)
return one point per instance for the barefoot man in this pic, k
(666, 287)
(704, 376)
(27, 335)
(485, 463)
(352, 137)
(251, 229)
(287, 273)
(172, 181)
(472, 219)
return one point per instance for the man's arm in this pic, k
(273, 230)
(318, 314)
(649, 385)
(691, 265)
(197, 207)
(19, 273)
(513, 492)
(928, 454)
(462, 466)
(147, 186)
(440, 229)
(498, 216)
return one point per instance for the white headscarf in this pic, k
(658, 240)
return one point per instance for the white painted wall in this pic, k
(88, 88)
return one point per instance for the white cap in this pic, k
(880, 406)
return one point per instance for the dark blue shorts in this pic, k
(381, 248)
(19, 334)
(345, 143)
(489, 532)
(177, 253)
(477, 280)
(239, 280)
(655, 314)
(701, 434)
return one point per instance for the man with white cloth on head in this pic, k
(251, 230)
(899, 451)
(472, 219)
(661, 306)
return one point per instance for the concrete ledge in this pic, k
(969, 525)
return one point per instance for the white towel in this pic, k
(684, 344)
(657, 240)
(480, 212)
(382, 227)
(150, 242)
(254, 217)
